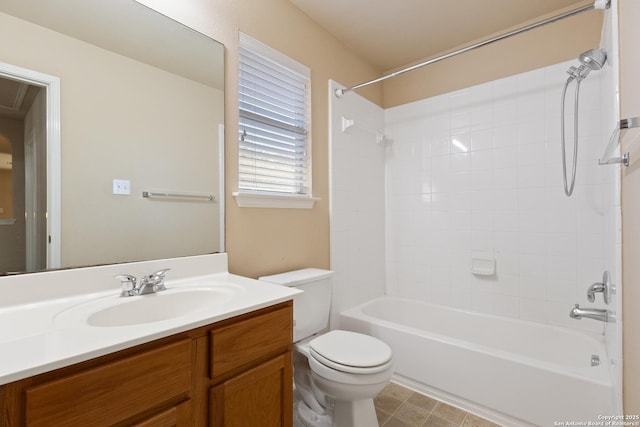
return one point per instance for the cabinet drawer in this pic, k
(173, 417)
(113, 392)
(250, 340)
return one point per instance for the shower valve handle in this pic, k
(604, 287)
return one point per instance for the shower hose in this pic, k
(568, 189)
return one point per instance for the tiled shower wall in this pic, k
(477, 173)
(357, 175)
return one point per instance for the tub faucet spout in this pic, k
(591, 313)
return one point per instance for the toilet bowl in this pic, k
(337, 373)
(347, 371)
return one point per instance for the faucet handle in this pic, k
(591, 291)
(158, 279)
(128, 283)
(160, 273)
(604, 287)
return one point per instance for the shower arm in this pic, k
(598, 4)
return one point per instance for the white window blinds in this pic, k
(274, 122)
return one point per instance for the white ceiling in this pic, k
(393, 33)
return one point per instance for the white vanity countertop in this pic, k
(40, 335)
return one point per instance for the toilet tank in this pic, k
(311, 307)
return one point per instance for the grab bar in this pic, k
(614, 141)
(194, 197)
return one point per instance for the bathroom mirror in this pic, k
(141, 110)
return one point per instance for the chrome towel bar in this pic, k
(179, 196)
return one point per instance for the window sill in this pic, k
(259, 200)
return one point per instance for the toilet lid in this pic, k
(344, 349)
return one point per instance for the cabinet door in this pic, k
(261, 397)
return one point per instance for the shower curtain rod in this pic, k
(598, 4)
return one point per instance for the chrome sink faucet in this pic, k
(152, 283)
(591, 313)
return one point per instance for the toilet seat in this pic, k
(351, 352)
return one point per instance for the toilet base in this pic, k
(358, 413)
(306, 417)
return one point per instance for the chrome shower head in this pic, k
(594, 59)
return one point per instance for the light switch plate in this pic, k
(122, 187)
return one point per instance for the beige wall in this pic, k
(547, 45)
(630, 107)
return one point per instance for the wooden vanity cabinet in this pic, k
(236, 372)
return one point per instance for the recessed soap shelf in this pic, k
(483, 264)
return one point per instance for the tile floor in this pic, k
(397, 406)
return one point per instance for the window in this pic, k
(274, 137)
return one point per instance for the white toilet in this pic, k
(338, 373)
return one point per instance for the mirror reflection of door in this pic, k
(23, 197)
(6, 182)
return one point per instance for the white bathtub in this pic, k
(511, 371)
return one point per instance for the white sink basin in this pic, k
(115, 311)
